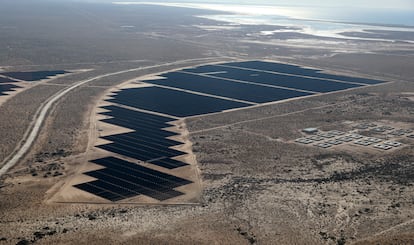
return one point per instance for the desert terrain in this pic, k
(253, 184)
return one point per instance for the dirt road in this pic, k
(42, 112)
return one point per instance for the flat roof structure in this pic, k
(315, 138)
(392, 143)
(336, 132)
(399, 132)
(382, 146)
(326, 135)
(324, 145)
(363, 142)
(354, 136)
(304, 141)
(345, 139)
(334, 142)
(372, 139)
(310, 130)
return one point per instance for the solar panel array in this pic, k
(216, 85)
(31, 76)
(214, 88)
(4, 88)
(298, 70)
(7, 80)
(148, 142)
(289, 81)
(201, 90)
(121, 179)
(172, 102)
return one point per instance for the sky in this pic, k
(383, 4)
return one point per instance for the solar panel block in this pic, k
(4, 88)
(292, 81)
(293, 69)
(31, 76)
(230, 89)
(147, 137)
(6, 80)
(121, 179)
(149, 142)
(168, 163)
(173, 102)
(117, 111)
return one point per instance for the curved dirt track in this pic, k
(41, 115)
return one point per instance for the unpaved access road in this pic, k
(42, 112)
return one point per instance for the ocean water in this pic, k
(366, 12)
(321, 21)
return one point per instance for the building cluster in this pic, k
(327, 139)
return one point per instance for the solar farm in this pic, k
(140, 150)
(176, 122)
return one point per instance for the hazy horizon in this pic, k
(371, 4)
(384, 13)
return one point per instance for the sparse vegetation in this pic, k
(17, 113)
(258, 189)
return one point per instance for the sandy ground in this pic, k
(257, 186)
